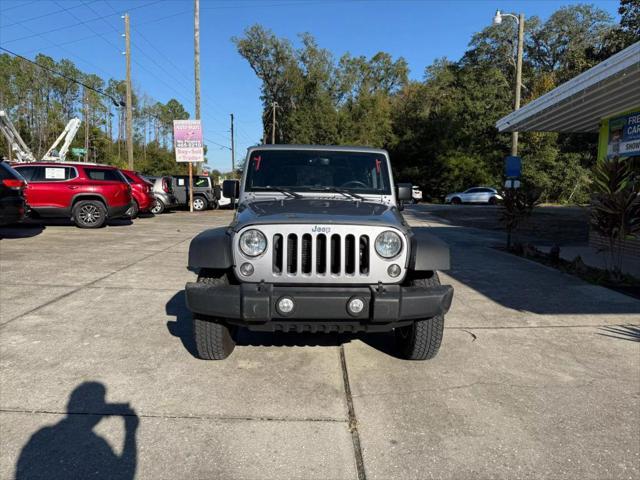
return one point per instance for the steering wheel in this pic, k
(354, 183)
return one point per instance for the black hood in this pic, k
(318, 211)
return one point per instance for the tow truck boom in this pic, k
(68, 134)
(16, 144)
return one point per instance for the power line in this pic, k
(216, 143)
(117, 103)
(53, 44)
(161, 67)
(90, 28)
(26, 20)
(66, 27)
(21, 5)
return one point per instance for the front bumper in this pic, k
(318, 308)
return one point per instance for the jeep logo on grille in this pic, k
(319, 229)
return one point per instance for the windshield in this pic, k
(313, 170)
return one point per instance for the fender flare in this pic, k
(80, 196)
(428, 252)
(211, 249)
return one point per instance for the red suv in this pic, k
(88, 193)
(142, 191)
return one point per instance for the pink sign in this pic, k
(187, 139)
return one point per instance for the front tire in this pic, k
(456, 201)
(89, 214)
(214, 339)
(422, 339)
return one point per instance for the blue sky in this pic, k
(162, 39)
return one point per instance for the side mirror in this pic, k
(404, 191)
(231, 188)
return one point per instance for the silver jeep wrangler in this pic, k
(318, 244)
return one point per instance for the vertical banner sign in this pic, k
(512, 167)
(187, 139)
(624, 136)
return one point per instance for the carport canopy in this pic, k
(581, 103)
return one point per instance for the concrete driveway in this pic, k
(538, 375)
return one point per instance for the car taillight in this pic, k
(13, 183)
(165, 186)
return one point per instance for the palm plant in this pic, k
(615, 207)
(517, 205)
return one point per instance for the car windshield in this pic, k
(313, 170)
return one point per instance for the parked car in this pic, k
(87, 193)
(332, 255)
(12, 203)
(163, 192)
(142, 191)
(204, 196)
(474, 195)
(416, 194)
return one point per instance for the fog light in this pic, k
(355, 306)
(394, 270)
(246, 269)
(285, 305)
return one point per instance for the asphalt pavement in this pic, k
(538, 375)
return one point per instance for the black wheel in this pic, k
(134, 210)
(158, 207)
(199, 203)
(214, 339)
(493, 201)
(213, 205)
(422, 339)
(89, 214)
(456, 201)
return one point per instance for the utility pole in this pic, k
(127, 44)
(514, 136)
(85, 97)
(196, 65)
(233, 151)
(274, 105)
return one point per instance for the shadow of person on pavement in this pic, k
(71, 449)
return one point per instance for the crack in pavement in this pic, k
(353, 421)
(474, 384)
(178, 416)
(515, 327)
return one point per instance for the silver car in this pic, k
(474, 195)
(163, 191)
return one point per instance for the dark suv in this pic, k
(204, 194)
(12, 204)
(89, 194)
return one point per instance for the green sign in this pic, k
(78, 152)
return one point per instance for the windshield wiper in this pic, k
(342, 191)
(286, 191)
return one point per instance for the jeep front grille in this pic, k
(309, 254)
(318, 254)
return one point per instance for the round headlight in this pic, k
(253, 243)
(388, 244)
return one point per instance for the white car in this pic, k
(474, 195)
(416, 194)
